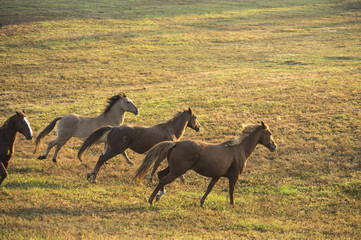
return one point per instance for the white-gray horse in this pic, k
(74, 125)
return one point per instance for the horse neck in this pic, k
(249, 143)
(178, 126)
(113, 117)
(8, 129)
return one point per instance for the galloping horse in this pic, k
(139, 139)
(227, 159)
(74, 125)
(16, 123)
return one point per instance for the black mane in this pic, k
(111, 101)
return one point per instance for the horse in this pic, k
(227, 159)
(139, 139)
(74, 125)
(14, 124)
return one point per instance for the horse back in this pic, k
(143, 138)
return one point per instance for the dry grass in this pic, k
(293, 64)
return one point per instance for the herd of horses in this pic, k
(159, 142)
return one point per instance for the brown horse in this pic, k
(139, 139)
(16, 123)
(227, 159)
(74, 125)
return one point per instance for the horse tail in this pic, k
(45, 132)
(92, 139)
(155, 155)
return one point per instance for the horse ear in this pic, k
(263, 126)
(190, 110)
(24, 111)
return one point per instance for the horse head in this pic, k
(121, 102)
(127, 105)
(266, 138)
(193, 123)
(22, 125)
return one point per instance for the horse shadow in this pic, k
(33, 213)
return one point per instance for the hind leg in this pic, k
(173, 173)
(58, 147)
(50, 146)
(161, 175)
(102, 159)
(164, 181)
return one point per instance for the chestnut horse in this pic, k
(227, 159)
(16, 123)
(74, 125)
(139, 139)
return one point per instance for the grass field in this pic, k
(296, 65)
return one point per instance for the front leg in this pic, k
(3, 172)
(209, 189)
(232, 184)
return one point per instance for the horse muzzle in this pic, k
(272, 148)
(135, 112)
(29, 137)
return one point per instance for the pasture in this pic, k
(296, 65)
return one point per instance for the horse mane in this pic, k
(7, 122)
(246, 131)
(111, 101)
(173, 119)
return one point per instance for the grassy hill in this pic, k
(293, 64)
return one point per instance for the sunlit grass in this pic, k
(293, 64)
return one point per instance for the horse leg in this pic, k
(50, 146)
(102, 159)
(232, 184)
(58, 147)
(127, 159)
(161, 175)
(3, 172)
(164, 181)
(209, 189)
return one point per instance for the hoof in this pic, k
(91, 177)
(159, 195)
(88, 175)
(41, 157)
(131, 164)
(54, 160)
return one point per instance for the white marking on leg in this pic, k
(160, 194)
(105, 148)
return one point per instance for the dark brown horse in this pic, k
(16, 123)
(139, 139)
(227, 159)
